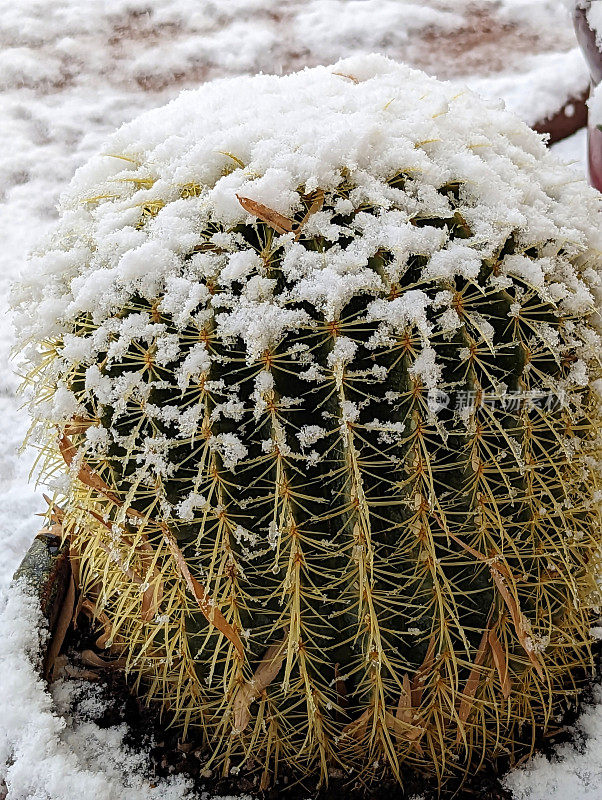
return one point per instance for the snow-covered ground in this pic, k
(71, 72)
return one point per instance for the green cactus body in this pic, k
(333, 476)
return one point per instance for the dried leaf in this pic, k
(403, 724)
(268, 669)
(404, 706)
(85, 474)
(500, 573)
(424, 670)
(519, 621)
(152, 596)
(278, 222)
(92, 659)
(89, 608)
(357, 729)
(316, 205)
(81, 674)
(205, 603)
(149, 606)
(472, 684)
(57, 515)
(405, 732)
(62, 626)
(501, 664)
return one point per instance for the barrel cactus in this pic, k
(314, 369)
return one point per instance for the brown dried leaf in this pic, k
(519, 621)
(316, 206)
(266, 672)
(424, 669)
(57, 515)
(85, 474)
(81, 674)
(500, 573)
(149, 606)
(91, 611)
(472, 684)
(357, 728)
(403, 725)
(92, 659)
(62, 626)
(205, 603)
(501, 665)
(404, 705)
(405, 732)
(278, 222)
(151, 600)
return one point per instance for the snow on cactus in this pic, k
(314, 373)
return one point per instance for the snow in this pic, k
(595, 106)
(48, 752)
(572, 151)
(559, 77)
(69, 76)
(594, 17)
(248, 148)
(575, 770)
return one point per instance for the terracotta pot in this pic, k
(593, 55)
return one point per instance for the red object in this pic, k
(593, 55)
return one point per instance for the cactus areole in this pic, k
(314, 369)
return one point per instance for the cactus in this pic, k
(331, 460)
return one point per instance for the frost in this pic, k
(273, 534)
(109, 261)
(349, 411)
(168, 349)
(579, 373)
(153, 455)
(64, 405)
(531, 271)
(182, 296)
(457, 259)
(239, 265)
(97, 439)
(329, 291)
